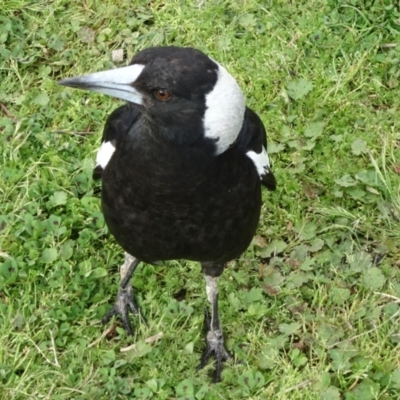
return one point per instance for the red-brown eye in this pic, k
(162, 95)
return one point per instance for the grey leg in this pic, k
(125, 302)
(214, 338)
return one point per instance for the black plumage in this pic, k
(181, 169)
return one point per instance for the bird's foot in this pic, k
(124, 304)
(214, 346)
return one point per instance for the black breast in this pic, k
(162, 201)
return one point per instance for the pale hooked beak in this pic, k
(115, 82)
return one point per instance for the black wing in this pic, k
(253, 138)
(118, 124)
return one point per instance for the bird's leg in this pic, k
(214, 337)
(125, 302)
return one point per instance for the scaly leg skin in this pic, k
(214, 338)
(125, 302)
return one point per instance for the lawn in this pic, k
(311, 309)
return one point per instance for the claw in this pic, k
(125, 302)
(123, 306)
(214, 346)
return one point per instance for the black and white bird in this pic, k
(182, 164)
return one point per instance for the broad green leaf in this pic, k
(314, 130)
(297, 89)
(316, 245)
(185, 388)
(49, 255)
(54, 223)
(345, 181)
(340, 359)
(356, 193)
(18, 322)
(119, 363)
(358, 146)
(339, 295)
(289, 329)
(141, 349)
(366, 390)
(278, 342)
(323, 381)
(189, 348)
(223, 43)
(257, 310)
(336, 138)
(44, 71)
(359, 261)
(299, 253)
(259, 241)
(55, 43)
(272, 276)
(268, 357)
(86, 34)
(373, 278)
(152, 384)
(395, 379)
(306, 231)
(254, 294)
(59, 198)
(307, 264)
(187, 397)
(308, 145)
(42, 99)
(201, 393)
(67, 250)
(247, 380)
(108, 357)
(275, 247)
(97, 273)
(298, 358)
(332, 393)
(369, 177)
(297, 279)
(234, 301)
(143, 393)
(259, 379)
(247, 20)
(185, 308)
(274, 147)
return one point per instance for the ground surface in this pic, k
(312, 308)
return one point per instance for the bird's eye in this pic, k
(162, 95)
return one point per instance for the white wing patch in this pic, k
(224, 115)
(104, 154)
(260, 160)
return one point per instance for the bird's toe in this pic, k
(215, 346)
(124, 304)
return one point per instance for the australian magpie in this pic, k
(182, 164)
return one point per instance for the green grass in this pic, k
(312, 308)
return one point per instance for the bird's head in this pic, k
(188, 96)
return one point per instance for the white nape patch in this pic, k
(211, 288)
(224, 115)
(104, 154)
(260, 160)
(115, 82)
